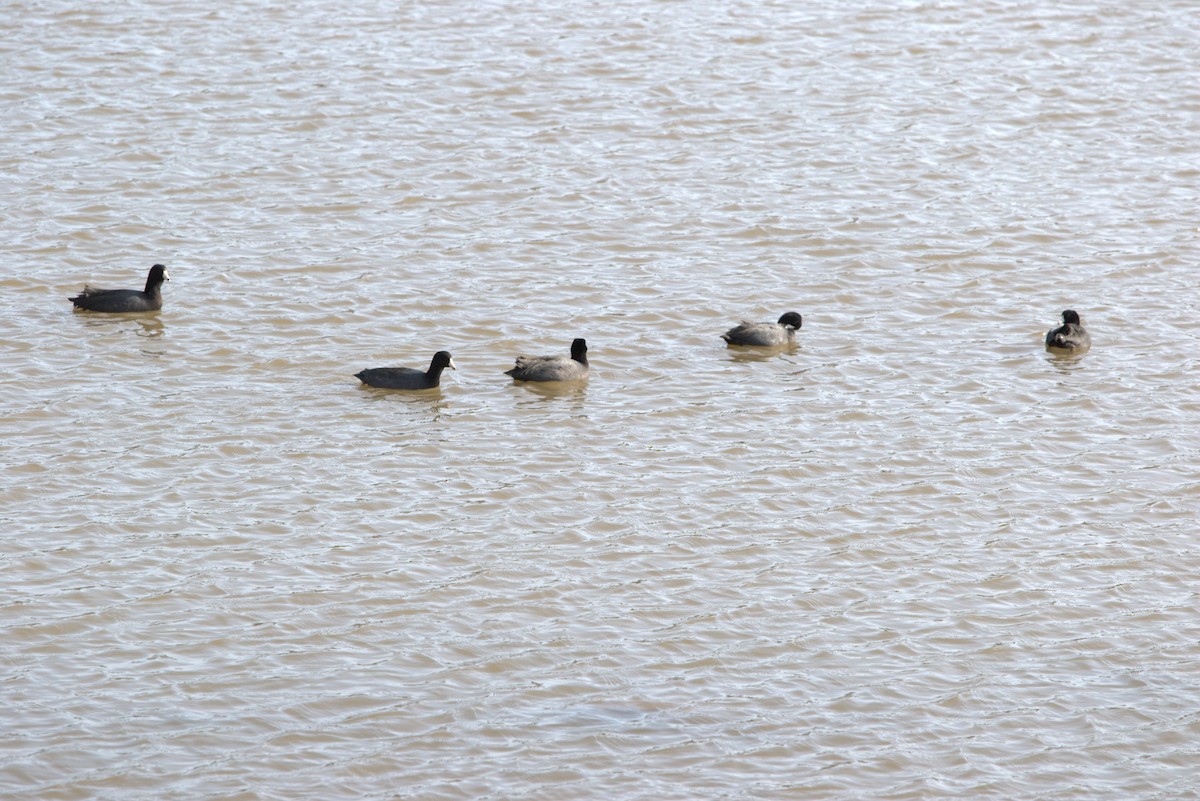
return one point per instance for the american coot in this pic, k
(780, 333)
(408, 377)
(125, 300)
(1071, 335)
(553, 368)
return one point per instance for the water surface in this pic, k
(914, 557)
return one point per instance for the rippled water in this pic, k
(915, 557)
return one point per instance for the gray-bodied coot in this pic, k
(780, 333)
(1071, 335)
(553, 368)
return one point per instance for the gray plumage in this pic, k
(1071, 335)
(125, 300)
(408, 377)
(553, 368)
(765, 334)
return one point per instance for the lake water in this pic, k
(915, 557)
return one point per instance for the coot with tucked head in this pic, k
(765, 334)
(125, 300)
(553, 368)
(1071, 335)
(408, 377)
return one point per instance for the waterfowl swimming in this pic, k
(780, 333)
(1071, 335)
(125, 300)
(553, 368)
(408, 377)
